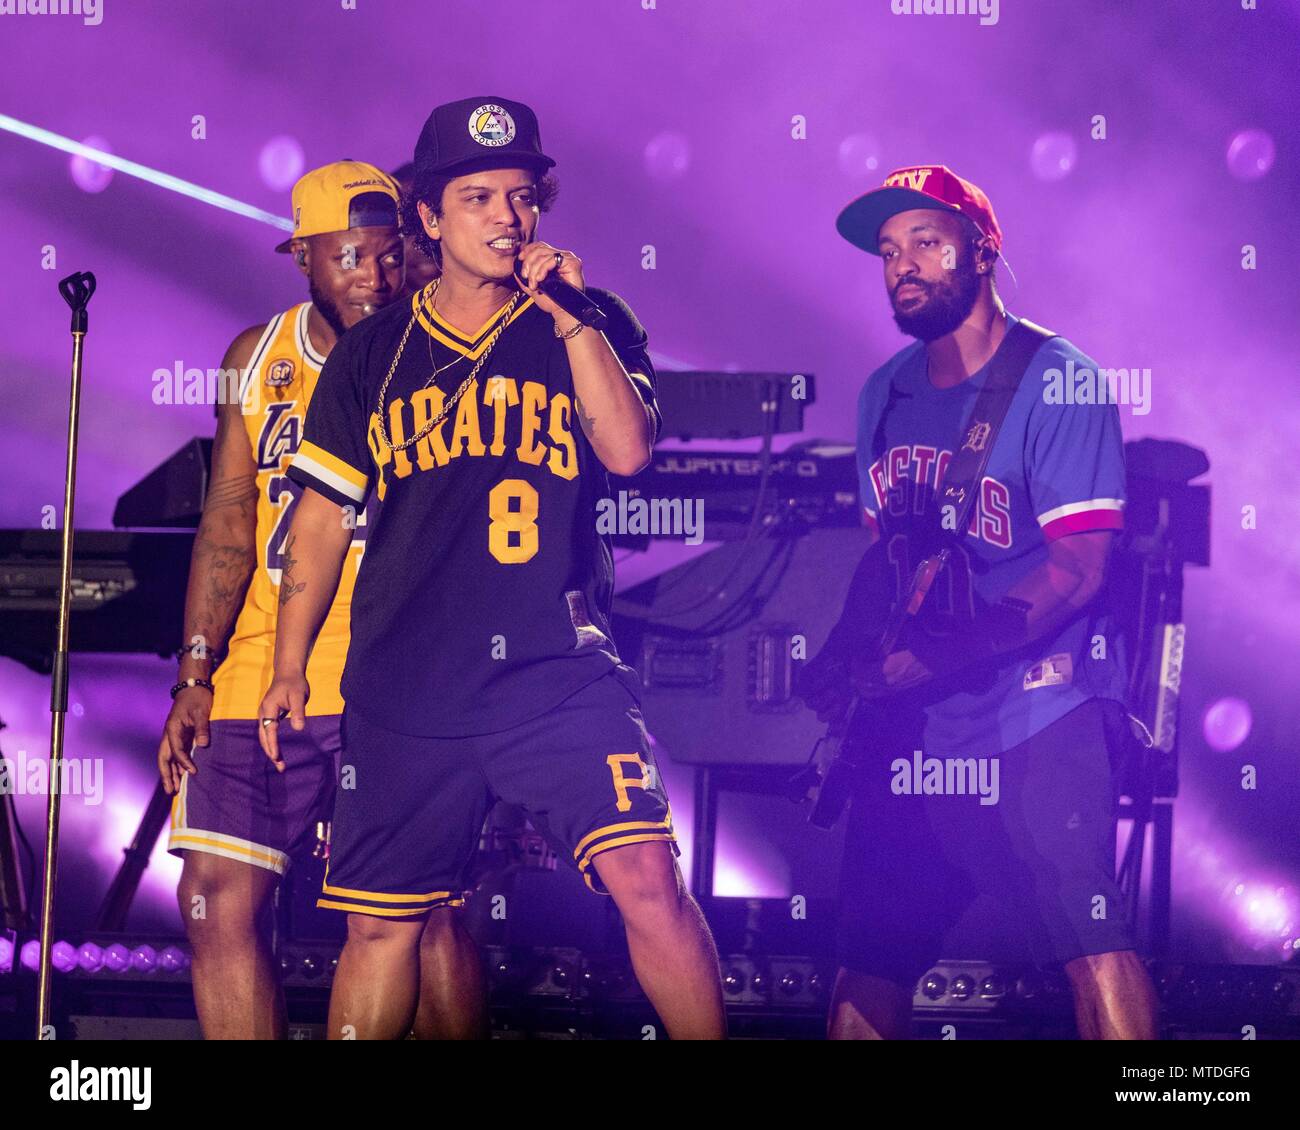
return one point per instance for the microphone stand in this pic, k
(76, 290)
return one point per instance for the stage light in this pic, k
(1250, 154)
(6, 954)
(173, 960)
(63, 956)
(90, 957)
(31, 954)
(88, 175)
(667, 156)
(281, 163)
(860, 155)
(1054, 156)
(1226, 724)
(100, 156)
(1264, 917)
(117, 958)
(144, 959)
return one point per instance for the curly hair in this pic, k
(429, 189)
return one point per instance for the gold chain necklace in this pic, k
(451, 403)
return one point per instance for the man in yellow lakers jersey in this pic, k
(235, 821)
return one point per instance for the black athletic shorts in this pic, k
(1045, 851)
(409, 810)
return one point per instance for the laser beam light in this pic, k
(100, 156)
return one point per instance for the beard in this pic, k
(328, 310)
(946, 305)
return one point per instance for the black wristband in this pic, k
(192, 683)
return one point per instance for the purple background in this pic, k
(672, 128)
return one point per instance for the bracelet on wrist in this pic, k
(573, 331)
(185, 683)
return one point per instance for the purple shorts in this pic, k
(239, 807)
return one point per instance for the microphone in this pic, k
(569, 299)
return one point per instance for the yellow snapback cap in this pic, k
(343, 195)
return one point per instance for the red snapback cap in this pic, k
(916, 186)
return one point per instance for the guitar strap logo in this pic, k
(977, 436)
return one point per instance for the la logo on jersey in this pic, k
(492, 125)
(906, 479)
(280, 435)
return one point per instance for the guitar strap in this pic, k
(1007, 368)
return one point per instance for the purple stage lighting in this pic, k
(6, 954)
(91, 957)
(31, 954)
(87, 175)
(63, 956)
(1054, 156)
(174, 960)
(1250, 154)
(117, 958)
(667, 156)
(280, 163)
(1264, 916)
(859, 156)
(144, 959)
(1227, 724)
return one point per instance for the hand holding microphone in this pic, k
(556, 275)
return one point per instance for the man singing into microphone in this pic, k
(481, 665)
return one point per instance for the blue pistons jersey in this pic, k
(1055, 470)
(484, 594)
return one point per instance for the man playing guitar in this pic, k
(1011, 660)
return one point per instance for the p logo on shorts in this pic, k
(622, 783)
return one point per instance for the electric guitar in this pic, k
(841, 751)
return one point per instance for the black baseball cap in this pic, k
(479, 133)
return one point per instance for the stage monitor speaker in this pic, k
(171, 495)
(717, 642)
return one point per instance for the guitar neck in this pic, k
(922, 580)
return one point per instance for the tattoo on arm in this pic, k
(288, 587)
(239, 491)
(223, 567)
(588, 422)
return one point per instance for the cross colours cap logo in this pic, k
(492, 125)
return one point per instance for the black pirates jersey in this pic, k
(484, 594)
